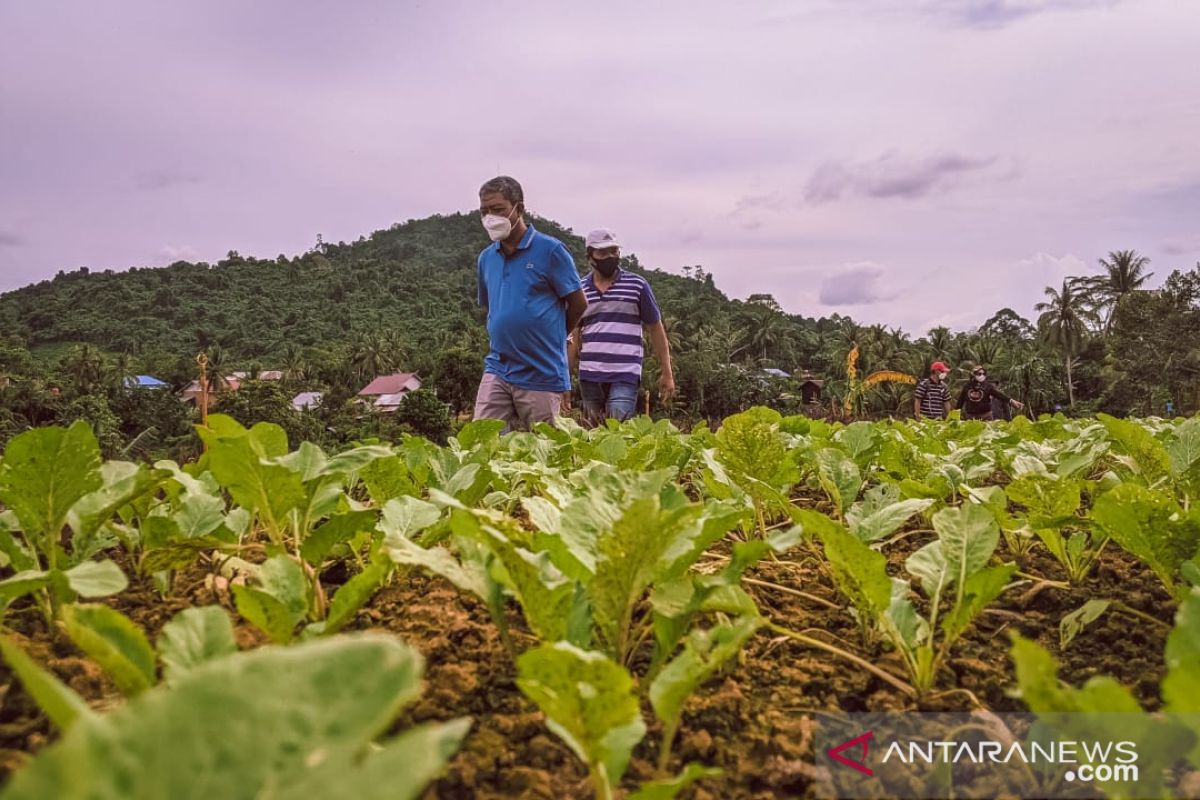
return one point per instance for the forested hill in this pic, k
(413, 283)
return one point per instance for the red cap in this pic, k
(939, 367)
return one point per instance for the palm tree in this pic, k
(295, 365)
(1065, 322)
(85, 366)
(1126, 274)
(217, 369)
(367, 356)
(984, 350)
(123, 369)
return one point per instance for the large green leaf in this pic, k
(334, 531)
(1047, 498)
(839, 477)
(1145, 455)
(387, 478)
(1101, 710)
(355, 594)
(1152, 526)
(123, 483)
(56, 700)
(906, 627)
(881, 512)
(979, 589)
(115, 642)
(705, 652)
(669, 788)
(96, 579)
(969, 535)
(306, 717)
(23, 583)
(198, 514)
(588, 701)
(1183, 449)
(467, 577)
(1181, 686)
(404, 517)
(265, 612)
(45, 472)
(627, 563)
(241, 461)
(860, 572)
(546, 596)
(193, 637)
(750, 445)
(15, 552)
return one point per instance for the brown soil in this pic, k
(755, 721)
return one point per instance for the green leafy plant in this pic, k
(1151, 525)
(307, 717)
(589, 702)
(1103, 707)
(59, 498)
(953, 567)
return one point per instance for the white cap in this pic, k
(602, 239)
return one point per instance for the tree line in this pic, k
(403, 299)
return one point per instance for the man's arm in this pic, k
(1012, 402)
(576, 305)
(574, 348)
(918, 396)
(662, 351)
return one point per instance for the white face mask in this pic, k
(498, 227)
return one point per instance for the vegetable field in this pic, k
(629, 611)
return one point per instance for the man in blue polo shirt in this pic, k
(608, 345)
(530, 289)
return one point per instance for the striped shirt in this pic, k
(933, 398)
(612, 328)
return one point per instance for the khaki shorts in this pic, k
(518, 408)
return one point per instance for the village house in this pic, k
(386, 391)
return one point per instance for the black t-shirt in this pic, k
(976, 398)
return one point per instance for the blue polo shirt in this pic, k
(527, 316)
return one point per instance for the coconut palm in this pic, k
(217, 369)
(1125, 274)
(940, 341)
(86, 368)
(1065, 321)
(295, 365)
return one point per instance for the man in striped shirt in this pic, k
(607, 345)
(932, 396)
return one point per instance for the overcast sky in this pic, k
(909, 163)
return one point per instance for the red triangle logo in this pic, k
(863, 741)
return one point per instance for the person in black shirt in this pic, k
(975, 400)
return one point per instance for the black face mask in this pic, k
(606, 266)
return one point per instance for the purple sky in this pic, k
(910, 163)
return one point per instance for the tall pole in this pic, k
(202, 362)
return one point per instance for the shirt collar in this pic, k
(525, 242)
(590, 278)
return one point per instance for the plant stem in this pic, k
(888, 678)
(1117, 605)
(789, 590)
(600, 782)
(664, 752)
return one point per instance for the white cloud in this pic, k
(854, 285)
(169, 254)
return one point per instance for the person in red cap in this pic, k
(932, 396)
